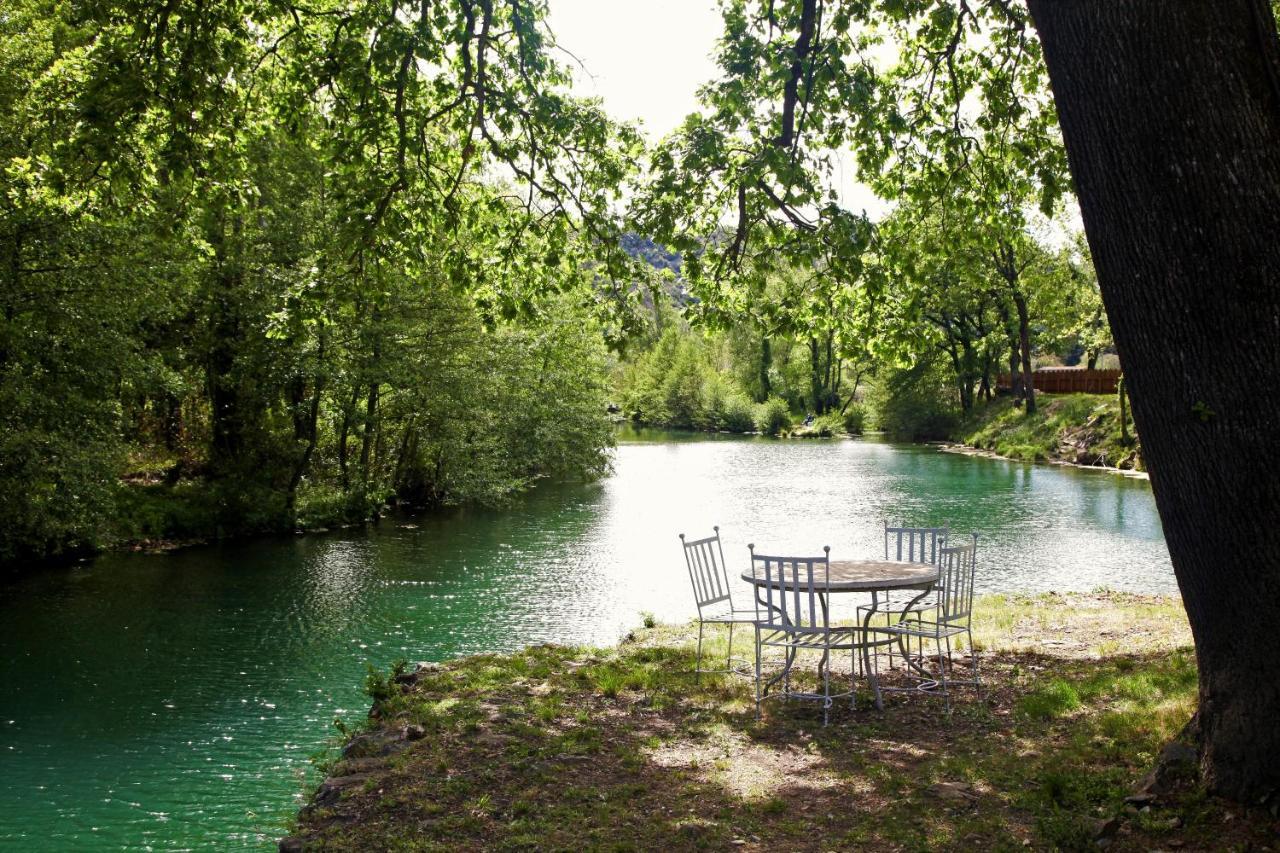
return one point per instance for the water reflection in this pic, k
(172, 701)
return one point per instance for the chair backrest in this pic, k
(792, 597)
(956, 568)
(913, 544)
(707, 573)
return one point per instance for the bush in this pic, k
(773, 416)
(739, 414)
(855, 419)
(918, 402)
(828, 425)
(322, 505)
(186, 510)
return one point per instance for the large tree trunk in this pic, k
(307, 427)
(229, 412)
(816, 391)
(766, 359)
(1171, 117)
(1024, 343)
(370, 429)
(1011, 333)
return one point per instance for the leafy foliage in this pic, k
(306, 255)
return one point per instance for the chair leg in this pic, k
(697, 666)
(728, 658)
(888, 622)
(973, 660)
(826, 690)
(871, 666)
(943, 665)
(854, 660)
(758, 673)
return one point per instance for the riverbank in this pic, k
(1074, 429)
(589, 748)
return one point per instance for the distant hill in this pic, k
(650, 252)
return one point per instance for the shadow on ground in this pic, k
(558, 749)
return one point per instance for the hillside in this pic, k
(1082, 429)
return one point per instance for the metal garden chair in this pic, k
(911, 545)
(713, 594)
(950, 616)
(794, 617)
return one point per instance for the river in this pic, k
(173, 701)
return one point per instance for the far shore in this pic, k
(967, 450)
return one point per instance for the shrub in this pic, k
(918, 402)
(739, 414)
(773, 416)
(855, 419)
(828, 425)
(322, 505)
(380, 687)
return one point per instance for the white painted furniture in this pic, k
(911, 545)
(792, 597)
(712, 593)
(949, 616)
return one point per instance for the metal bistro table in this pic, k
(873, 576)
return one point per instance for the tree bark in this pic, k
(1011, 333)
(370, 428)
(228, 410)
(766, 359)
(1171, 117)
(1024, 344)
(344, 433)
(307, 429)
(815, 377)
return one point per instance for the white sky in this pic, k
(646, 59)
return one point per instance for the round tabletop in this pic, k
(862, 576)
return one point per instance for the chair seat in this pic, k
(838, 638)
(921, 629)
(728, 615)
(903, 604)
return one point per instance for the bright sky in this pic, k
(646, 59)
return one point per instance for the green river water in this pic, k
(173, 701)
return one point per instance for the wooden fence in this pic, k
(1069, 380)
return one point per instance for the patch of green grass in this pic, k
(1091, 421)
(1052, 700)
(560, 748)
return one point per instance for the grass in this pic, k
(621, 749)
(1081, 428)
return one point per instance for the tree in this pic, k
(257, 228)
(1171, 117)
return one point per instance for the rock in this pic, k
(1177, 762)
(1106, 827)
(372, 744)
(491, 739)
(354, 766)
(331, 789)
(956, 792)
(1179, 754)
(1085, 456)
(408, 679)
